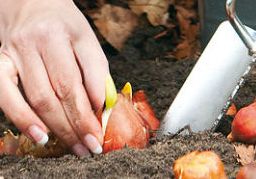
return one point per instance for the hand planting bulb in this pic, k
(126, 120)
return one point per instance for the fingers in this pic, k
(43, 100)
(67, 82)
(15, 107)
(94, 66)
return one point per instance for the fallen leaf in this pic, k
(184, 18)
(189, 45)
(182, 50)
(245, 154)
(115, 24)
(20, 145)
(156, 10)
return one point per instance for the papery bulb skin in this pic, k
(145, 110)
(125, 127)
(199, 165)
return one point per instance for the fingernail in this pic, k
(93, 144)
(38, 135)
(80, 150)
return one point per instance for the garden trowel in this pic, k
(215, 79)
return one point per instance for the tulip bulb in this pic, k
(199, 165)
(247, 172)
(244, 125)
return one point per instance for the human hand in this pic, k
(50, 46)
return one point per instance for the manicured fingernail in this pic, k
(80, 150)
(93, 144)
(38, 135)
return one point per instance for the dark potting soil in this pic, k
(161, 79)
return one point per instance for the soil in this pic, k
(161, 79)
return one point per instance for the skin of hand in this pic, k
(50, 47)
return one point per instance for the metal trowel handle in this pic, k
(239, 27)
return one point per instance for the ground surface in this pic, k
(161, 79)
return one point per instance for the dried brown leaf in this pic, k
(184, 17)
(53, 148)
(156, 10)
(182, 50)
(9, 143)
(189, 45)
(245, 154)
(115, 24)
(21, 145)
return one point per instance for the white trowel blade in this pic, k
(213, 81)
